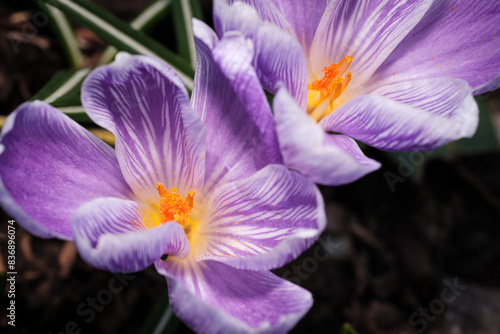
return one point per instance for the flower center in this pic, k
(173, 206)
(322, 93)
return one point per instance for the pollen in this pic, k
(173, 206)
(328, 88)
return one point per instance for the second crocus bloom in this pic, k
(396, 75)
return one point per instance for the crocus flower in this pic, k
(396, 75)
(203, 183)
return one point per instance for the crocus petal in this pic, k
(266, 9)
(303, 18)
(159, 138)
(211, 297)
(264, 221)
(413, 115)
(367, 30)
(241, 137)
(49, 166)
(234, 56)
(109, 234)
(488, 86)
(299, 18)
(326, 159)
(460, 39)
(278, 55)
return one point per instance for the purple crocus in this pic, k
(396, 75)
(202, 182)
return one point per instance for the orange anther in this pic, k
(333, 76)
(173, 206)
(330, 87)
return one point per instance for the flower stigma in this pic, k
(328, 88)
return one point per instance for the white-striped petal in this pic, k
(110, 235)
(367, 30)
(159, 138)
(413, 115)
(264, 221)
(211, 297)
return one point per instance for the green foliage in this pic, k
(347, 329)
(160, 319)
(63, 90)
(65, 34)
(121, 35)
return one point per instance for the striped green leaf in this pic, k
(121, 35)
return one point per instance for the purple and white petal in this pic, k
(460, 39)
(211, 297)
(159, 138)
(233, 54)
(241, 137)
(278, 55)
(325, 159)
(488, 86)
(267, 11)
(303, 18)
(49, 166)
(367, 30)
(264, 221)
(413, 115)
(109, 234)
(297, 17)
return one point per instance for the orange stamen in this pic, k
(331, 85)
(173, 206)
(332, 80)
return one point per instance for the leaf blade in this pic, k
(62, 84)
(183, 16)
(121, 35)
(65, 34)
(148, 17)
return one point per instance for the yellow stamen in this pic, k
(328, 88)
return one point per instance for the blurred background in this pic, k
(413, 247)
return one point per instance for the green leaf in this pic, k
(348, 329)
(151, 15)
(121, 35)
(196, 9)
(63, 92)
(161, 319)
(183, 17)
(156, 11)
(65, 34)
(64, 88)
(270, 98)
(77, 113)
